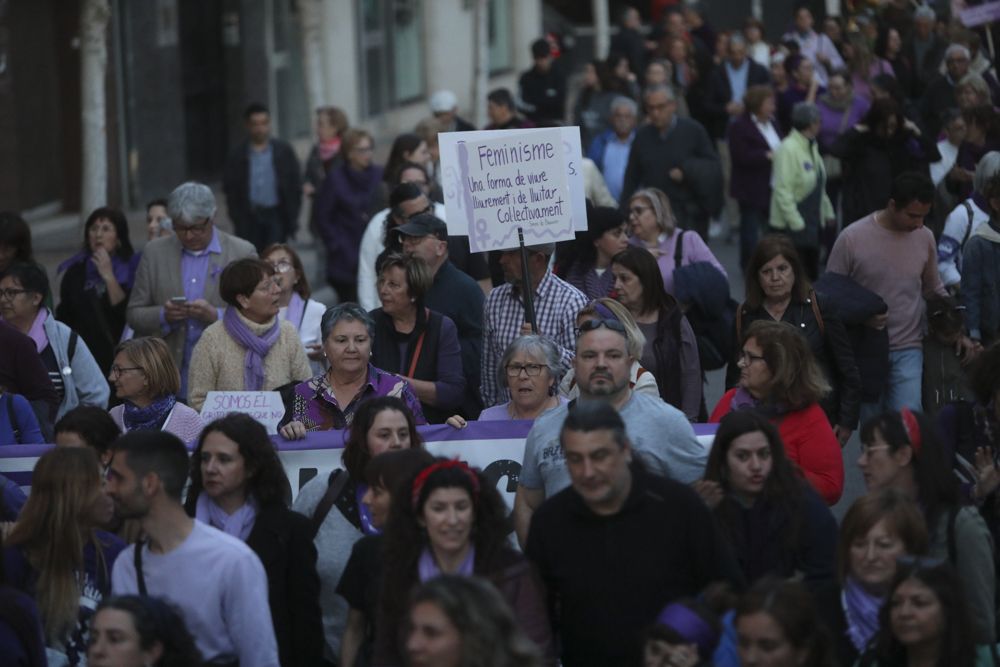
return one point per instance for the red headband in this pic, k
(912, 429)
(421, 479)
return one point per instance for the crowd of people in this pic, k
(862, 167)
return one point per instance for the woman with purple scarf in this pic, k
(94, 291)
(238, 486)
(878, 529)
(249, 348)
(294, 302)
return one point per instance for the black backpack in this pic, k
(710, 310)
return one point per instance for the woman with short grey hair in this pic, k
(530, 368)
(799, 204)
(329, 400)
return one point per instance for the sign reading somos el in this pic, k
(508, 180)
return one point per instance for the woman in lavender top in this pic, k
(294, 303)
(330, 400)
(145, 378)
(238, 486)
(654, 228)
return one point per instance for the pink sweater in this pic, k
(901, 267)
(183, 422)
(694, 250)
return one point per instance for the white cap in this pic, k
(443, 100)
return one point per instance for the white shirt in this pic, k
(940, 169)
(768, 132)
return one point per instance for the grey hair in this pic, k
(737, 39)
(347, 312)
(977, 83)
(986, 170)
(804, 114)
(660, 88)
(625, 102)
(660, 202)
(957, 48)
(191, 202)
(536, 347)
(925, 12)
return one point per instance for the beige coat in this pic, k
(217, 361)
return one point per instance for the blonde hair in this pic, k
(53, 530)
(662, 209)
(796, 378)
(153, 357)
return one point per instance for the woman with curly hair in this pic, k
(238, 486)
(140, 631)
(57, 555)
(459, 621)
(452, 520)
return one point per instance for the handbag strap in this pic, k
(137, 561)
(420, 346)
(679, 249)
(334, 487)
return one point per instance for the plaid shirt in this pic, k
(556, 306)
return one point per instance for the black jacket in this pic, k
(236, 184)
(830, 346)
(543, 95)
(283, 540)
(719, 93)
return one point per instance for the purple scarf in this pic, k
(238, 524)
(744, 400)
(150, 417)
(124, 270)
(296, 308)
(861, 611)
(367, 527)
(257, 347)
(37, 330)
(427, 567)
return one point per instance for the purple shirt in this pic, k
(317, 408)
(194, 274)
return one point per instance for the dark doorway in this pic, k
(203, 80)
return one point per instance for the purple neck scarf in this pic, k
(37, 330)
(124, 270)
(238, 524)
(427, 567)
(861, 611)
(150, 417)
(296, 308)
(257, 347)
(367, 527)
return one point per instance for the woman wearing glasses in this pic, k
(654, 228)
(294, 303)
(901, 450)
(780, 379)
(530, 368)
(71, 366)
(670, 350)
(419, 344)
(249, 349)
(146, 380)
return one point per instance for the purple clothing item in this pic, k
(427, 567)
(587, 281)
(341, 212)
(750, 183)
(317, 408)
(694, 250)
(124, 270)
(502, 412)
(832, 122)
(194, 274)
(257, 347)
(238, 524)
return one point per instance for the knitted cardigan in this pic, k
(217, 361)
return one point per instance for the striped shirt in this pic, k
(556, 305)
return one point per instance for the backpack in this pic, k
(709, 309)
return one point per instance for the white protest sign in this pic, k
(460, 152)
(264, 406)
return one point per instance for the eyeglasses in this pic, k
(282, 266)
(747, 358)
(919, 563)
(118, 370)
(591, 325)
(197, 228)
(638, 210)
(945, 311)
(533, 370)
(866, 450)
(11, 293)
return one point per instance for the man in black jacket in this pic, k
(619, 544)
(728, 83)
(263, 184)
(675, 155)
(543, 88)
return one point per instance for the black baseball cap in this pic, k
(425, 224)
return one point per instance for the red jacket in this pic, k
(809, 443)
